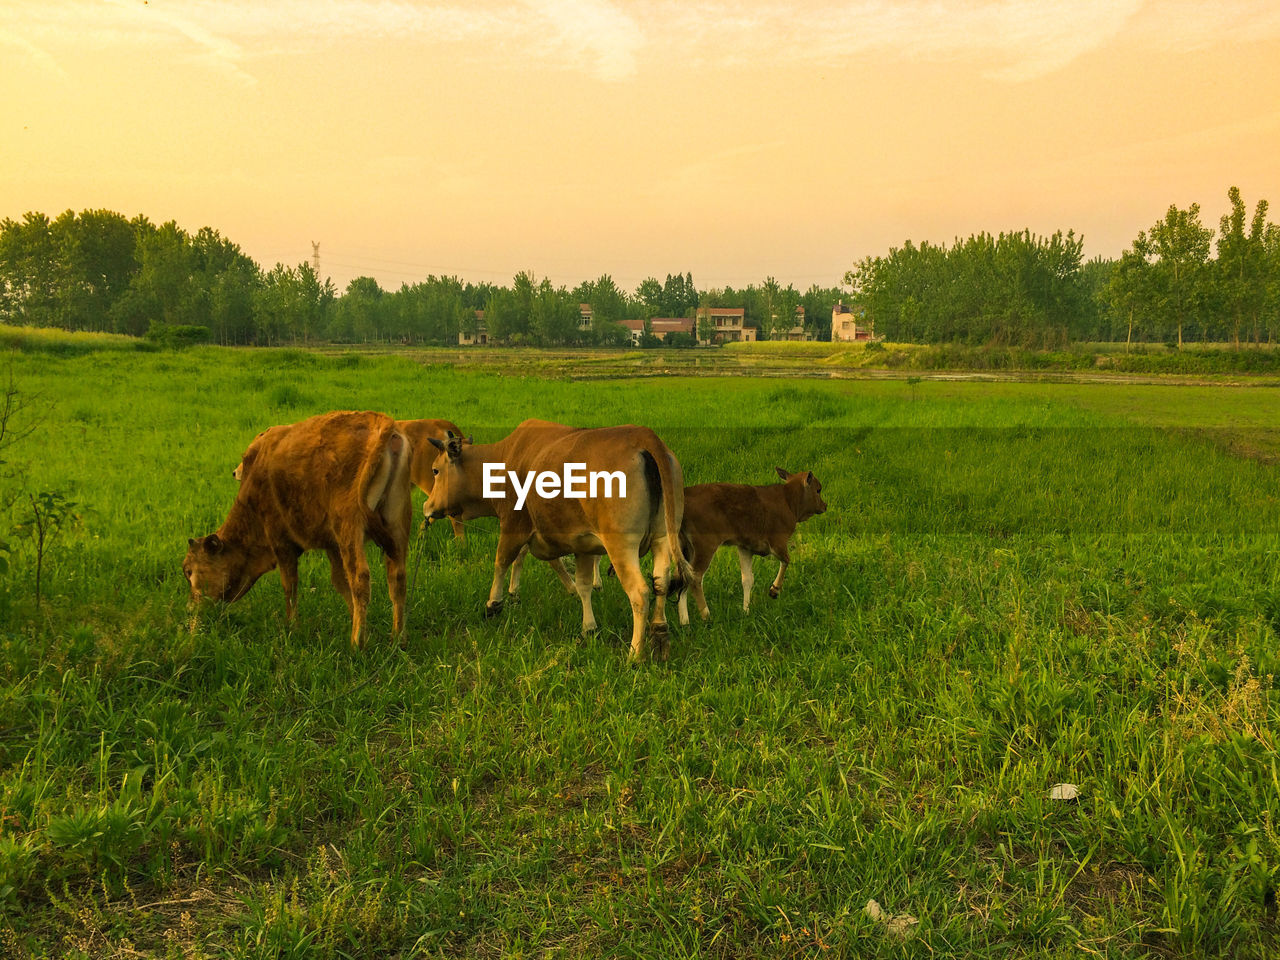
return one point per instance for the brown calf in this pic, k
(759, 521)
(327, 483)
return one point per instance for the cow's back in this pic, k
(308, 480)
(633, 451)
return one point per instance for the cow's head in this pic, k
(811, 501)
(453, 484)
(216, 569)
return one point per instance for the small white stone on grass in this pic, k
(1064, 791)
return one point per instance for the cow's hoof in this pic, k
(661, 641)
(773, 592)
(493, 609)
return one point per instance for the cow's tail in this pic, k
(383, 475)
(683, 572)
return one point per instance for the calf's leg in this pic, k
(776, 587)
(748, 577)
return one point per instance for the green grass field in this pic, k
(1016, 585)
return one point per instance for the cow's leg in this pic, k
(625, 559)
(776, 587)
(287, 561)
(517, 571)
(357, 567)
(398, 514)
(338, 576)
(596, 582)
(397, 587)
(459, 531)
(563, 574)
(510, 545)
(583, 565)
(661, 584)
(748, 577)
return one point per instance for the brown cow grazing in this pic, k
(625, 498)
(327, 483)
(759, 521)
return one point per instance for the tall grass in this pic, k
(1016, 585)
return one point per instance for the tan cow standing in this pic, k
(328, 483)
(429, 438)
(552, 526)
(759, 521)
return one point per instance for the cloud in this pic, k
(1014, 40)
(612, 40)
(36, 54)
(594, 34)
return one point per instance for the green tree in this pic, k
(523, 290)
(555, 315)
(608, 304)
(1129, 287)
(706, 328)
(29, 270)
(649, 293)
(358, 313)
(499, 315)
(1242, 265)
(1179, 245)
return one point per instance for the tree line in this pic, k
(99, 271)
(1020, 289)
(1177, 282)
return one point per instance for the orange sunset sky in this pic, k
(635, 137)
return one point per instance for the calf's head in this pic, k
(216, 569)
(811, 502)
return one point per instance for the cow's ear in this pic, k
(808, 479)
(782, 473)
(435, 443)
(191, 541)
(213, 544)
